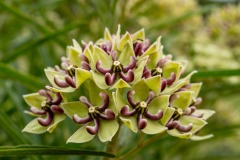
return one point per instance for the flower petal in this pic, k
(183, 101)
(180, 83)
(99, 79)
(73, 56)
(123, 41)
(172, 67)
(56, 119)
(71, 108)
(159, 103)
(154, 83)
(200, 138)
(34, 127)
(50, 75)
(185, 120)
(139, 71)
(108, 128)
(130, 122)
(120, 84)
(126, 53)
(206, 113)
(154, 47)
(101, 55)
(119, 101)
(107, 35)
(167, 115)
(176, 133)
(141, 91)
(195, 87)
(34, 100)
(153, 127)
(139, 35)
(81, 76)
(80, 136)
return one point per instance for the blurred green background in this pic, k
(34, 34)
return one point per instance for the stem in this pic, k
(140, 146)
(113, 145)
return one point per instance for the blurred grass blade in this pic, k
(217, 73)
(28, 81)
(12, 56)
(21, 15)
(14, 133)
(47, 150)
(172, 20)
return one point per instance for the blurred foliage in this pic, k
(34, 34)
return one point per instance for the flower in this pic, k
(119, 79)
(143, 110)
(94, 116)
(46, 106)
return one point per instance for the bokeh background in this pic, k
(34, 34)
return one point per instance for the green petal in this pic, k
(167, 115)
(71, 108)
(107, 130)
(99, 79)
(124, 40)
(77, 46)
(154, 83)
(107, 35)
(101, 55)
(139, 35)
(139, 71)
(197, 123)
(34, 127)
(176, 133)
(195, 87)
(200, 138)
(73, 56)
(185, 120)
(34, 100)
(120, 84)
(154, 59)
(141, 91)
(177, 85)
(119, 101)
(126, 53)
(50, 75)
(153, 127)
(183, 101)
(153, 48)
(206, 113)
(88, 52)
(81, 76)
(170, 67)
(159, 103)
(94, 91)
(130, 122)
(56, 119)
(80, 136)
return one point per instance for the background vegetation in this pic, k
(34, 34)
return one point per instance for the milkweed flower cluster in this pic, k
(121, 78)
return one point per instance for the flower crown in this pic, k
(120, 79)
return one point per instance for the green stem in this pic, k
(113, 145)
(140, 146)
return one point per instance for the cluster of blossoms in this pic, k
(119, 79)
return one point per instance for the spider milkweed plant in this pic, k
(119, 79)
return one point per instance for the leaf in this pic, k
(34, 44)
(25, 150)
(217, 73)
(28, 81)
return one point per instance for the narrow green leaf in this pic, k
(12, 56)
(217, 73)
(30, 82)
(172, 20)
(25, 150)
